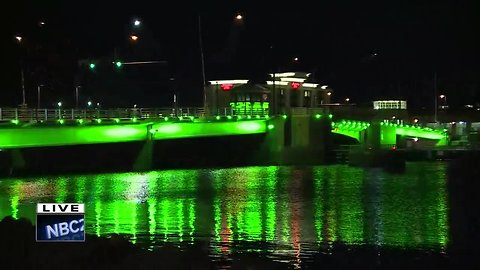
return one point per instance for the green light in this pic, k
(61, 121)
(118, 64)
(92, 66)
(318, 116)
(166, 118)
(169, 128)
(270, 126)
(217, 117)
(330, 116)
(134, 119)
(98, 121)
(116, 120)
(229, 117)
(284, 116)
(80, 121)
(15, 121)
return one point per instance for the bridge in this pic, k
(303, 134)
(46, 127)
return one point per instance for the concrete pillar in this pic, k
(144, 160)
(16, 159)
(288, 105)
(272, 148)
(299, 93)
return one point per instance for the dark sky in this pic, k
(362, 49)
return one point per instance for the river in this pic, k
(284, 213)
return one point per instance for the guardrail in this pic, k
(26, 115)
(21, 114)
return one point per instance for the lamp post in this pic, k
(238, 17)
(77, 89)
(203, 66)
(19, 40)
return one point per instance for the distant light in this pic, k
(98, 104)
(393, 117)
(217, 117)
(284, 116)
(89, 103)
(324, 87)
(295, 59)
(61, 121)
(137, 23)
(415, 120)
(134, 37)
(329, 93)
(270, 126)
(295, 85)
(19, 38)
(318, 116)
(118, 64)
(239, 17)
(134, 105)
(59, 104)
(415, 139)
(98, 121)
(41, 23)
(347, 99)
(226, 86)
(92, 66)
(442, 96)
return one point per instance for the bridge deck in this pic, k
(42, 136)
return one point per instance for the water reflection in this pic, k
(284, 212)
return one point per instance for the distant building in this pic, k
(390, 105)
(278, 94)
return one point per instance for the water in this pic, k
(285, 213)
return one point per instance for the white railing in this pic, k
(119, 113)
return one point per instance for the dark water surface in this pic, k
(285, 213)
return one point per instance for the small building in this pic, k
(278, 94)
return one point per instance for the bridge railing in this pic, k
(21, 114)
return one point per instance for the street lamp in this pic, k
(444, 98)
(133, 37)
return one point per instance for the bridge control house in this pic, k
(280, 93)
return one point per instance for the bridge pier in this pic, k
(297, 140)
(144, 160)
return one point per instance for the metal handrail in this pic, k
(21, 114)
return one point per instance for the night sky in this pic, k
(364, 50)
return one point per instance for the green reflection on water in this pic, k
(284, 206)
